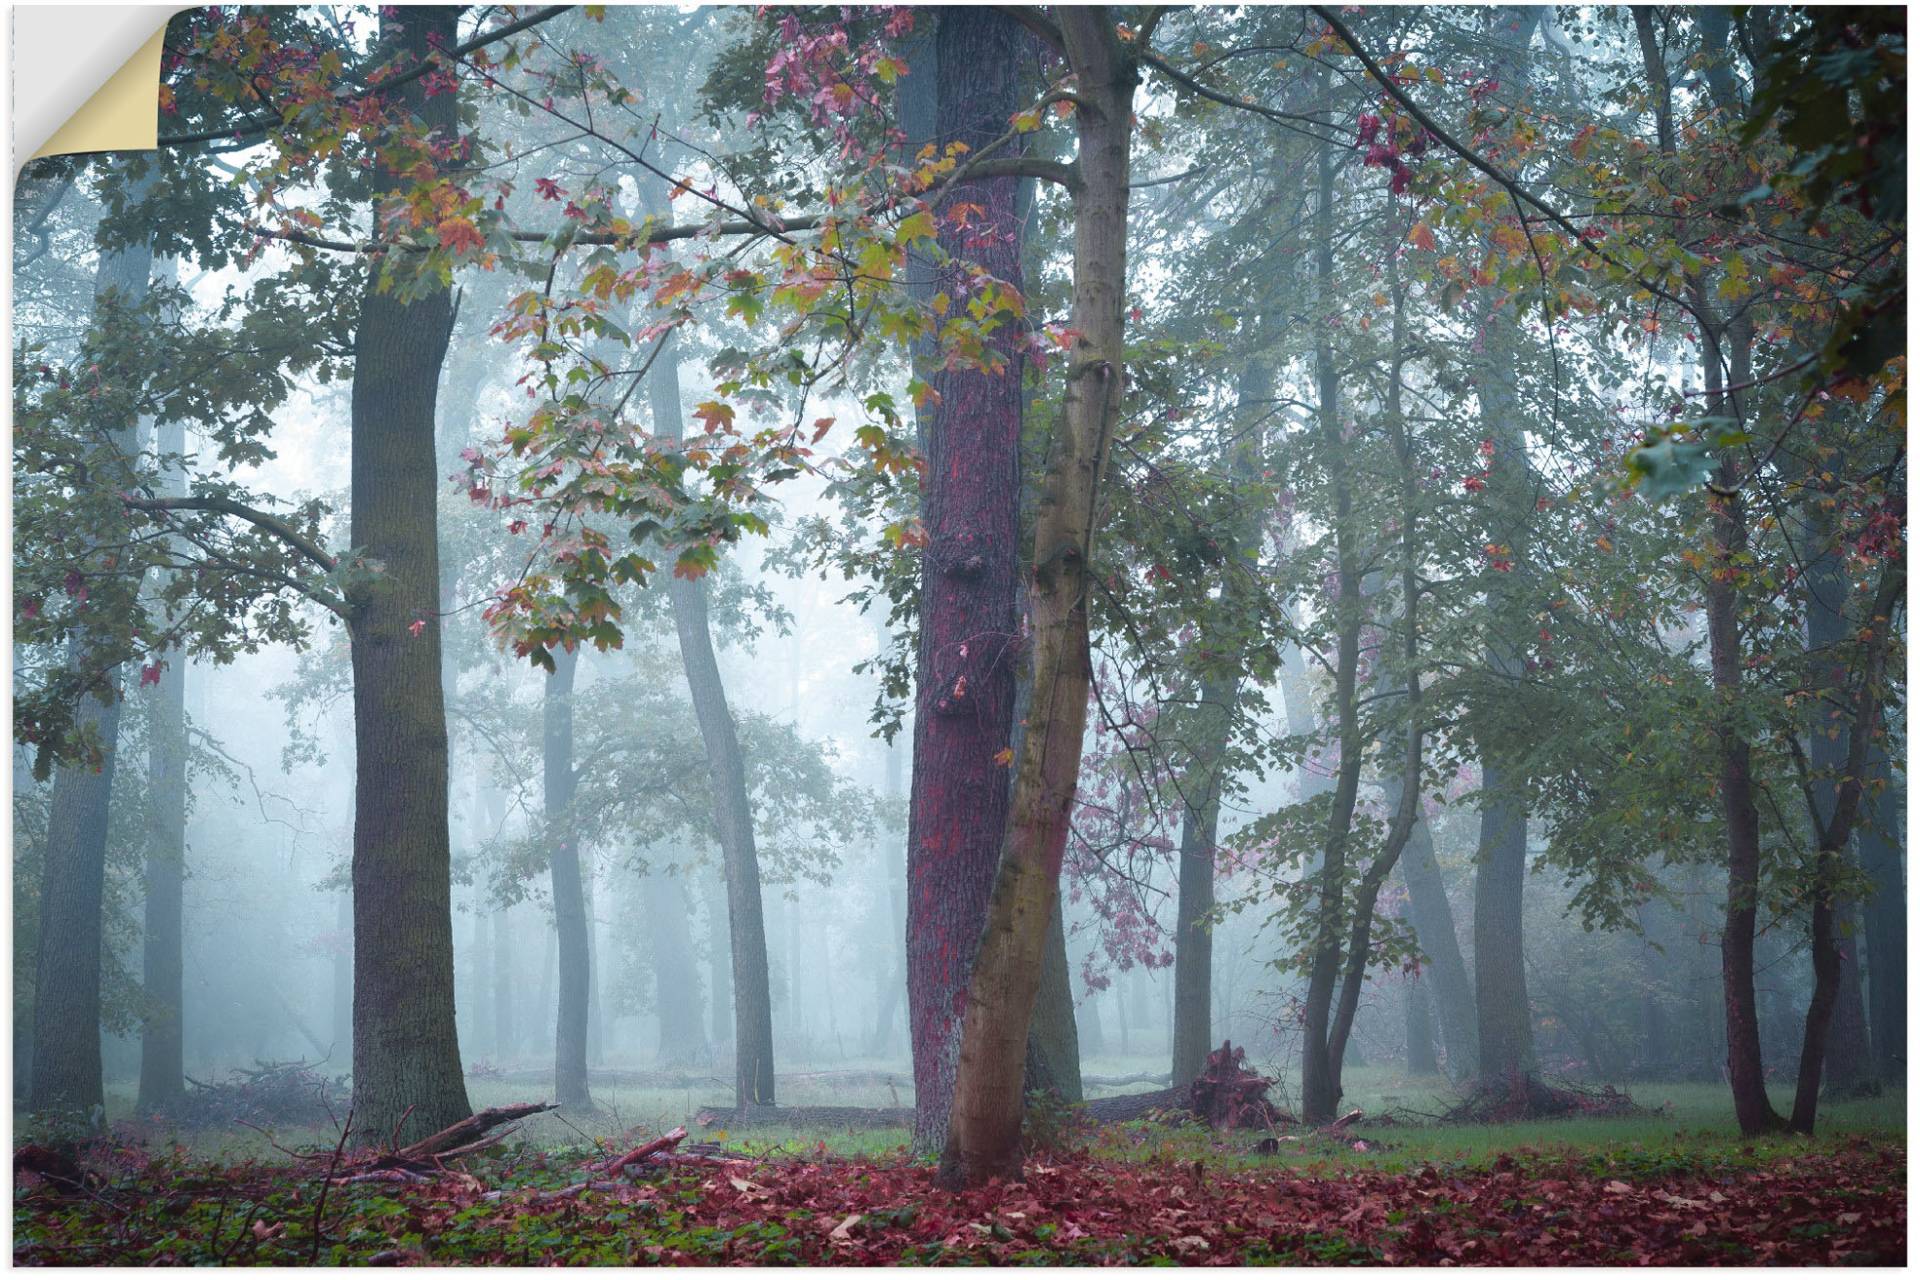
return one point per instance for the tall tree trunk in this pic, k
(1824, 589)
(719, 963)
(1885, 918)
(569, 896)
(1499, 960)
(343, 974)
(162, 1047)
(407, 1079)
(505, 979)
(676, 992)
(983, 1138)
(1211, 735)
(1451, 988)
(1419, 1009)
(66, 988)
(1319, 1070)
(727, 770)
(969, 588)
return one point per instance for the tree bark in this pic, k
(66, 989)
(983, 1138)
(407, 1078)
(1054, 1041)
(569, 896)
(162, 1046)
(969, 586)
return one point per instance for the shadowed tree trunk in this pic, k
(162, 1048)
(66, 989)
(1506, 1052)
(407, 1080)
(963, 714)
(1885, 918)
(1450, 986)
(983, 1138)
(569, 896)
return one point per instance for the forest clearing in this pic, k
(1027, 635)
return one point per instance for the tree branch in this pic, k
(256, 126)
(259, 519)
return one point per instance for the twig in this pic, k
(320, 1205)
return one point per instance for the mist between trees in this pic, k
(987, 552)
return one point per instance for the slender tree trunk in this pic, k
(1886, 918)
(162, 1048)
(505, 980)
(969, 589)
(596, 1029)
(66, 989)
(569, 896)
(407, 1079)
(1451, 988)
(1499, 961)
(984, 1135)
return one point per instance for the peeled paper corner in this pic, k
(86, 78)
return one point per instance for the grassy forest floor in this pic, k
(1675, 1185)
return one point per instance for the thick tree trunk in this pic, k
(569, 896)
(983, 1138)
(162, 1047)
(969, 588)
(1885, 918)
(407, 1080)
(1499, 961)
(66, 989)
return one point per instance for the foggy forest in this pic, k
(1063, 634)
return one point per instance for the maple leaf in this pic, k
(1421, 237)
(459, 235)
(715, 415)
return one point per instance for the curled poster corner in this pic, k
(86, 78)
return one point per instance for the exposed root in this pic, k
(1528, 1097)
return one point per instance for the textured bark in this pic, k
(569, 896)
(407, 1079)
(66, 989)
(162, 1047)
(1885, 918)
(969, 589)
(983, 1138)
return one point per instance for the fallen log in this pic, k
(720, 1116)
(666, 1142)
(458, 1139)
(1163, 1079)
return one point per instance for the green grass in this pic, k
(1694, 1123)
